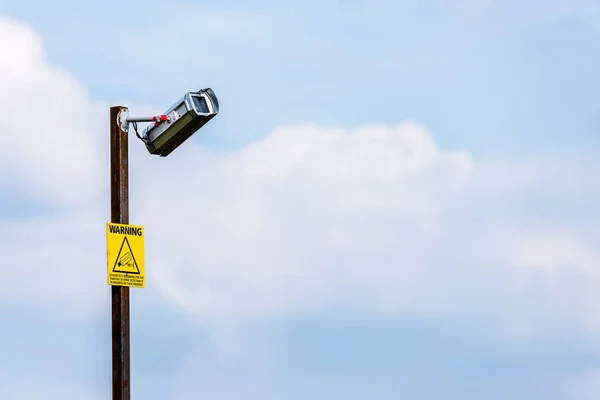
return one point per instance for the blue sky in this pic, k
(397, 200)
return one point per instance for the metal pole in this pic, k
(119, 213)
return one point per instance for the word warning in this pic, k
(125, 255)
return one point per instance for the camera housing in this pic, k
(183, 119)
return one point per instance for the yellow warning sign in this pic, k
(125, 254)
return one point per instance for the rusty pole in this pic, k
(119, 213)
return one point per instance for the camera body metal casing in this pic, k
(184, 118)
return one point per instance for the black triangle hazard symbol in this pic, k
(125, 262)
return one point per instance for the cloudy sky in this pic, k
(398, 200)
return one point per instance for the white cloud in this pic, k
(293, 221)
(49, 146)
(376, 219)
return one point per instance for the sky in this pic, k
(397, 200)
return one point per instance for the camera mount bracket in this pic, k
(125, 119)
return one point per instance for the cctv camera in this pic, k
(182, 120)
